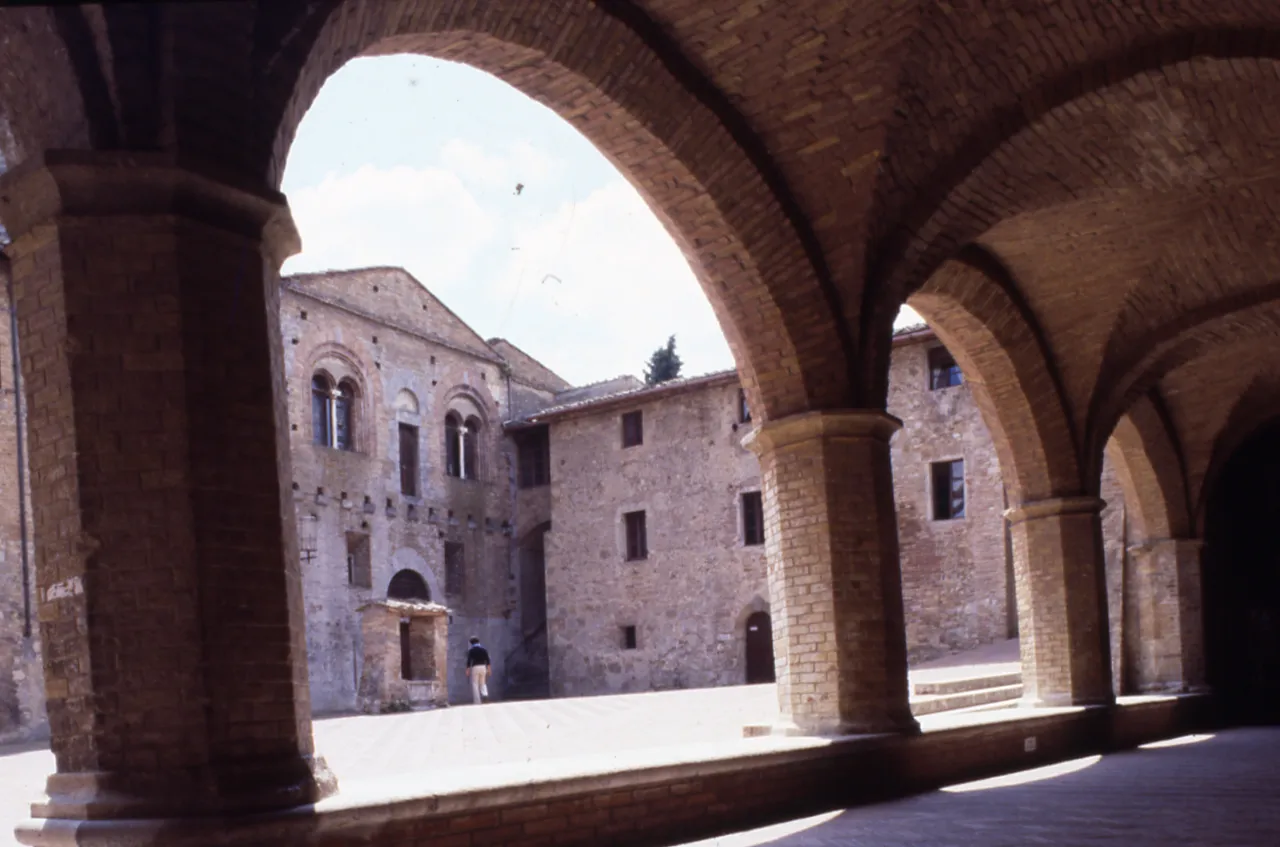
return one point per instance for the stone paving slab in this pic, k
(1221, 790)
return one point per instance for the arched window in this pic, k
(470, 451)
(408, 585)
(333, 413)
(344, 436)
(407, 401)
(321, 410)
(452, 445)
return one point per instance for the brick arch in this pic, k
(690, 155)
(1238, 319)
(937, 203)
(1257, 408)
(972, 305)
(1148, 461)
(42, 84)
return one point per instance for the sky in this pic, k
(501, 209)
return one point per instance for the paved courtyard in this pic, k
(1233, 779)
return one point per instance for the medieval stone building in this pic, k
(655, 556)
(599, 539)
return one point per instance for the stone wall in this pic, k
(22, 713)
(1116, 558)
(413, 361)
(689, 599)
(955, 574)
(380, 328)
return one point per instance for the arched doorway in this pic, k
(759, 648)
(408, 585)
(1242, 581)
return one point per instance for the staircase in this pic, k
(987, 677)
(970, 693)
(528, 668)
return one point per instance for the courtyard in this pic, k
(1132, 798)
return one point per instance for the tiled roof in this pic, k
(644, 392)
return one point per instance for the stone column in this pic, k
(167, 570)
(1062, 613)
(1169, 627)
(831, 544)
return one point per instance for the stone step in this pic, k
(932, 704)
(987, 707)
(968, 683)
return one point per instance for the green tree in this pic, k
(663, 365)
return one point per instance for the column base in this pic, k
(90, 796)
(1064, 701)
(831, 729)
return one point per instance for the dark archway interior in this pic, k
(408, 585)
(1242, 581)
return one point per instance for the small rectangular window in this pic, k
(455, 568)
(409, 460)
(406, 652)
(947, 479)
(744, 411)
(752, 518)
(943, 370)
(637, 543)
(533, 456)
(632, 429)
(629, 638)
(359, 560)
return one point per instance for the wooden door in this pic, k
(759, 649)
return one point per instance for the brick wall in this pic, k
(954, 572)
(689, 599)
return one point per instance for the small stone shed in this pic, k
(405, 662)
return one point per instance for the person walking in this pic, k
(478, 666)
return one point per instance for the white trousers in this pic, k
(479, 675)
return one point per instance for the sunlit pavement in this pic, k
(466, 747)
(1221, 790)
(469, 747)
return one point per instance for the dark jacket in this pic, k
(477, 655)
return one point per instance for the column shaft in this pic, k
(168, 580)
(1169, 631)
(834, 580)
(1061, 592)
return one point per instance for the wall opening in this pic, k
(410, 586)
(759, 641)
(1242, 581)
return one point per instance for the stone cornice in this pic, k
(846, 424)
(79, 183)
(1054, 507)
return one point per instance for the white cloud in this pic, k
(424, 219)
(907, 316)
(599, 285)
(518, 162)
(591, 286)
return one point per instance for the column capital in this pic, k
(843, 424)
(82, 183)
(1052, 507)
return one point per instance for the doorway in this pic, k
(759, 649)
(1241, 566)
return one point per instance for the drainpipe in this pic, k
(21, 451)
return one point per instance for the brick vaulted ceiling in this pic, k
(1109, 164)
